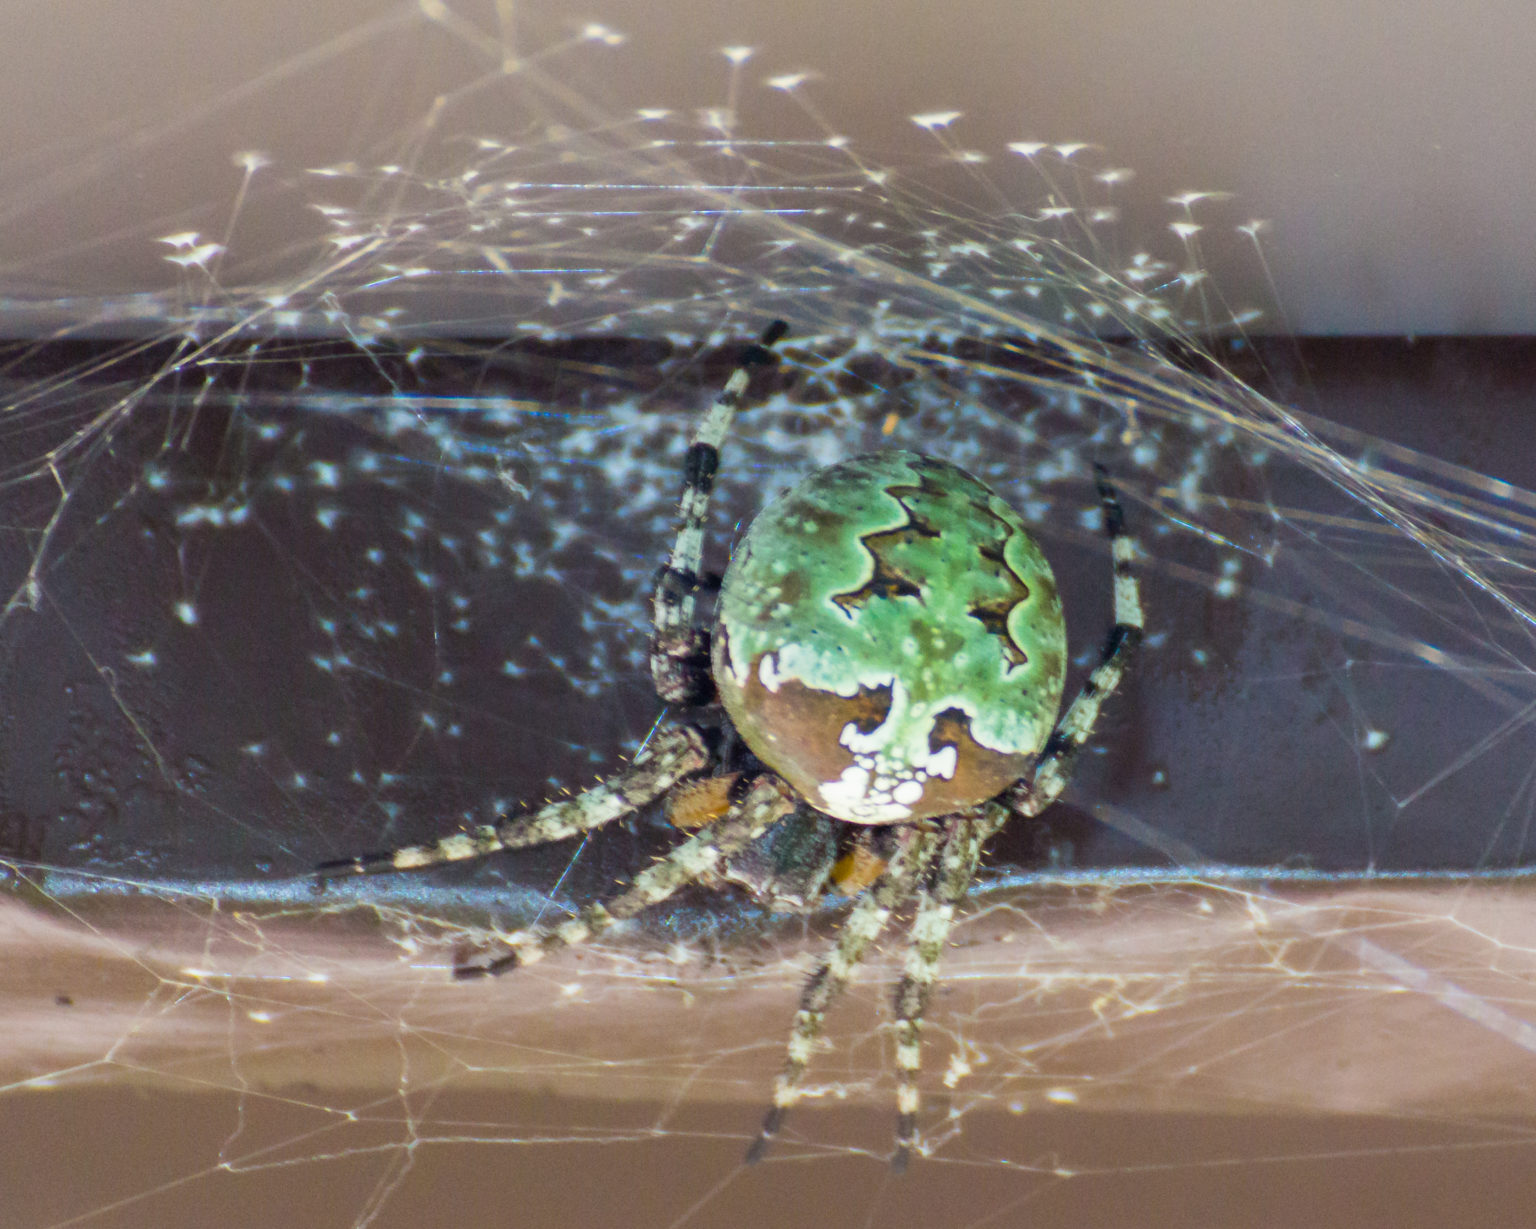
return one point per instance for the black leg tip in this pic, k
(906, 1132)
(772, 1121)
(493, 968)
(342, 868)
(760, 352)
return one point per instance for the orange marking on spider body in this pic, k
(696, 803)
(856, 870)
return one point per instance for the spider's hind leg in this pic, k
(1077, 724)
(679, 650)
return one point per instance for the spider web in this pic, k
(332, 528)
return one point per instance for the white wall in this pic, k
(1389, 144)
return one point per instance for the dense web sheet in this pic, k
(328, 547)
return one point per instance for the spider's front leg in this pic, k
(766, 800)
(676, 753)
(680, 650)
(937, 901)
(914, 854)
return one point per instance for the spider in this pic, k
(889, 646)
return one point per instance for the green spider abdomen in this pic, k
(890, 640)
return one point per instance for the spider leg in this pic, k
(1054, 768)
(919, 844)
(675, 753)
(766, 802)
(679, 650)
(937, 898)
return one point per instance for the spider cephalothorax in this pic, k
(889, 643)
